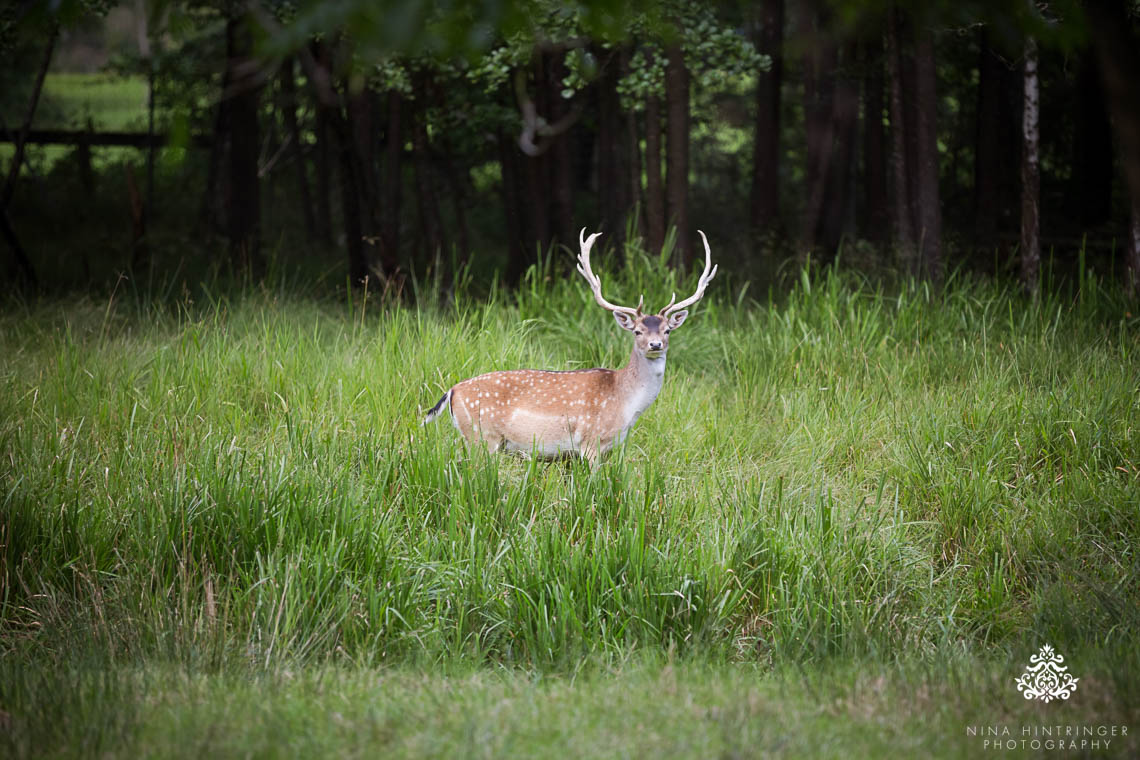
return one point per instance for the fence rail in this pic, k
(88, 137)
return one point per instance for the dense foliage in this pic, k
(384, 137)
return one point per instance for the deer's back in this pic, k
(549, 412)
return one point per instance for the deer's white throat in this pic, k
(645, 377)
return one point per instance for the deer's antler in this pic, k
(706, 278)
(585, 244)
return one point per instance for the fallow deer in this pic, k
(585, 412)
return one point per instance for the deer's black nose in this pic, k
(655, 345)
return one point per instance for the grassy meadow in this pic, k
(849, 520)
(109, 101)
(103, 101)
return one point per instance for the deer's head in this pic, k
(650, 331)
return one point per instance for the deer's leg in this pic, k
(480, 437)
(591, 453)
(477, 441)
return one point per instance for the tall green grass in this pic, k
(848, 475)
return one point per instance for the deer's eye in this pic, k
(667, 332)
(637, 332)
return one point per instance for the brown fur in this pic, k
(528, 408)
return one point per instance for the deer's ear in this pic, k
(676, 318)
(625, 321)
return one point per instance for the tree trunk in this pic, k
(1030, 175)
(536, 200)
(561, 190)
(358, 108)
(831, 108)
(876, 217)
(929, 207)
(539, 166)
(141, 258)
(654, 186)
(244, 202)
(1092, 147)
(289, 110)
(26, 125)
(820, 65)
(633, 152)
(323, 170)
(27, 271)
(325, 148)
(677, 148)
(839, 218)
(909, 66)
(764, 203)
(519, 239)
(217, 182)
(901, 224)
(391, 189)
(987, 153)
(1132, 256)
(427, 196)
(1119, 55)
(613, 205)
(350, 201)
(458, 192)
(559, 166)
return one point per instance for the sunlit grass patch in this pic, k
(101, 102)
(107, 101)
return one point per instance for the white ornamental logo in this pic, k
(1045, 678)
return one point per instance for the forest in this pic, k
(378, 140)
(884, 502)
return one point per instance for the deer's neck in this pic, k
(640, 383)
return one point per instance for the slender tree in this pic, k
(350, 204)
(677, 147)
(325, 112)
(359, 112)
(289, 111)
(764, 202)
(633, 151)
(23, 264)
(511, 189)
(613, 163)
(1030, 174)
(987, 142)
(561, 165)
(1119, 53)
(929, 204)
(820, 67)
(902, 225)
(654, 184)
(1092, 160)
(830, 113)
(839, 220)
(876, 217)
(243, 204)
(391, 188)
(427, 196)
(458, 192)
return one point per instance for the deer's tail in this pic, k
(438, 408)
